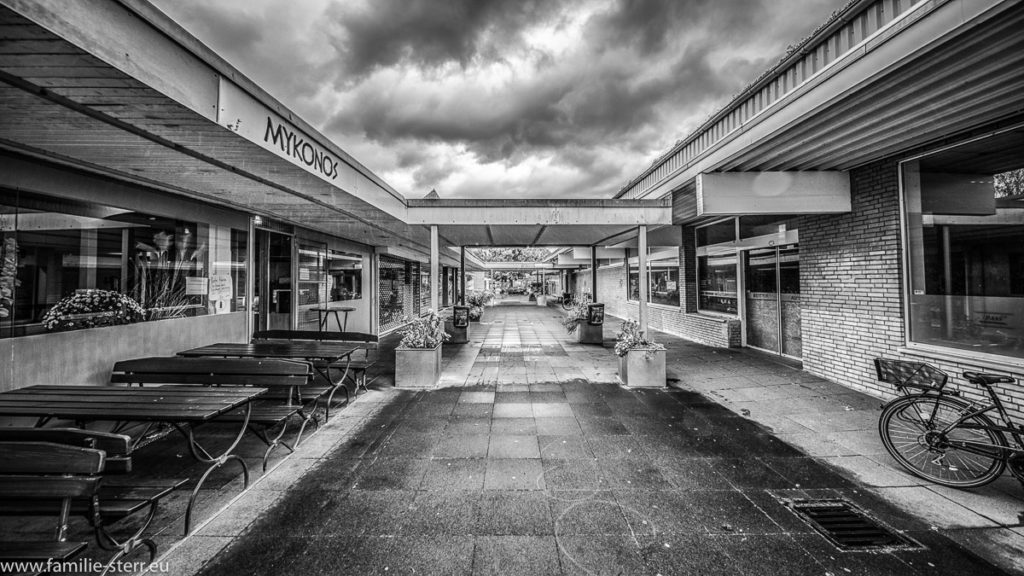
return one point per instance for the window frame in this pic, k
(922, 349)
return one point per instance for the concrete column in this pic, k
(644, 276)
(593, 274)
(462, 275)
(444, 286)
(435, 256)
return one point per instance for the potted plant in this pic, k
(577, 322)
(641, 362)
(475, 301)
(418, 355)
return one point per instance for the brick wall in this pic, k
(850, 281)
(710, 330)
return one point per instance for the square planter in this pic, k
(458, 335)
(417, 367)
(643, 368)
(542, 300)
(589, 334)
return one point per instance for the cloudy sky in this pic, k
(502, 98)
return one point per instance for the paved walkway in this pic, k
(532, 460)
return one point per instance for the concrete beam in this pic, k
(539, 212)
(735, 193)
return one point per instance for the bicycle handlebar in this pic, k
(987, 379)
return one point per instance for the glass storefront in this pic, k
(96, 261)
(663, 272)
(965, 240)
(717, 268)
(399, 291)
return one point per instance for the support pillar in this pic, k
(462, 275)
(435, 275)
(593, 274)
(645, 281)
(445, 297)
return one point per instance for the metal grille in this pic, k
(398, 291)
(848, 527)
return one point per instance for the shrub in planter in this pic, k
(576, 323)
(641, 362)
(418, 356)
(91, 309)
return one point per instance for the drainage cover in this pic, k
(848, 527)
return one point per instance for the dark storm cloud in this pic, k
(454, 90)
(427, 32)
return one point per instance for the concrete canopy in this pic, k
(536, 222)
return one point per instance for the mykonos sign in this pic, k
(255, 122)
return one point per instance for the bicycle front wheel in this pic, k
(967, 456)
(566, 303)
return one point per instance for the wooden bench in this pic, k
(357, 366)
(57, 472)
(288, 382)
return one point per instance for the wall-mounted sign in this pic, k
(220, 287)
(240, 112)
(196, 286)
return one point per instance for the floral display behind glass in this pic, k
(630, 337)
(424, 332)
(8, 276)
(91, 309)
(160, 272)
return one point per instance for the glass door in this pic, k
(274, 282)
(772, 299)
(762, 298)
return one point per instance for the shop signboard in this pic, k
(595, 314)
(460, 316)
(240, 112)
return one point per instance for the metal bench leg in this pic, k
(107, 541)
(200, 454)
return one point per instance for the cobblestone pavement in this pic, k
(530, 459)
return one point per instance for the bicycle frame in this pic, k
(1009, 426)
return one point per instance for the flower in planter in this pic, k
(427, 331)
(577, 313)
(630, 337)
(475, 313)
(92, 308)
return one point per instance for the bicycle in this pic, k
(938, 436)
(569, 299)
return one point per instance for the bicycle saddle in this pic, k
(988, 379)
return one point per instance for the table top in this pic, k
(334, 309)
(163, 404)
(298, 349)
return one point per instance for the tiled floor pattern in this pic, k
(531, 460)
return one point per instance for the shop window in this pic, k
(58, 251)
(965, 238)
(344, 276)
(399, 291)
(717, 268)
(663, 274)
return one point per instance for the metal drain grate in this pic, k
(848, 527)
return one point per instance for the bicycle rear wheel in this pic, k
(908, 429)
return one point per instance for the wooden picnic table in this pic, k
(324, 355)
(184, 407)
